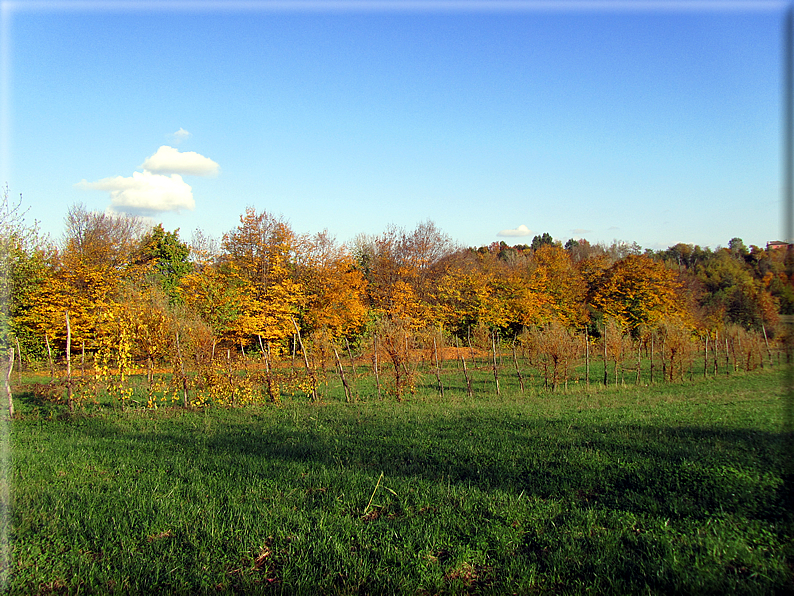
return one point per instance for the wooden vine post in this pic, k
(727, 358)
(230, 378)
(495, 369)
(469, 391)
(375, 363)
(586, 359)
(19, 357)
(306, 361)
(352, 360)
(768, 351)
(69, 398)
(271, 387)
(49, 358)
(604, 339)
(8, 383)
(342, 374)
(185, 399)
(438, 369)
(352, 368)
(518, 369)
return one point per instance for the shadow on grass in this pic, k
(670, 472)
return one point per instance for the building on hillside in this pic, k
(776, 245)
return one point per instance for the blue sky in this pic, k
(655, 126)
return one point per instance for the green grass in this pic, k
(663, 489)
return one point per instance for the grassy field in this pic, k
(673, 488)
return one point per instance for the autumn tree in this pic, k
(402, 269)
(557, 349)
(167, 256)
(677, 347)
(27, 261)
(466, 296)
(217, 294)
(259, 255)
(636, 291)
(481, 290)
(731, 288)
(554, 274)
(85, 275)
(334, 289)
(395, 341)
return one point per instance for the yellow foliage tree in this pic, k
(333, 288)
(261, 254)
(554, 273)
(638, 291)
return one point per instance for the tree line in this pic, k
(115, 296)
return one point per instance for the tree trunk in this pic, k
(398, 378)
(672, 363)
(271, 389)
(616, 372)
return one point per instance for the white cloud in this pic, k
(580, 231)
(168, 160)
(180, 135)
(521, 230)
(160, 186)
(145, 192)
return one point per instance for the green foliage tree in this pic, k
(541, 240)
(167, 256)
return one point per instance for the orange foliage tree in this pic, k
(637, 291)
